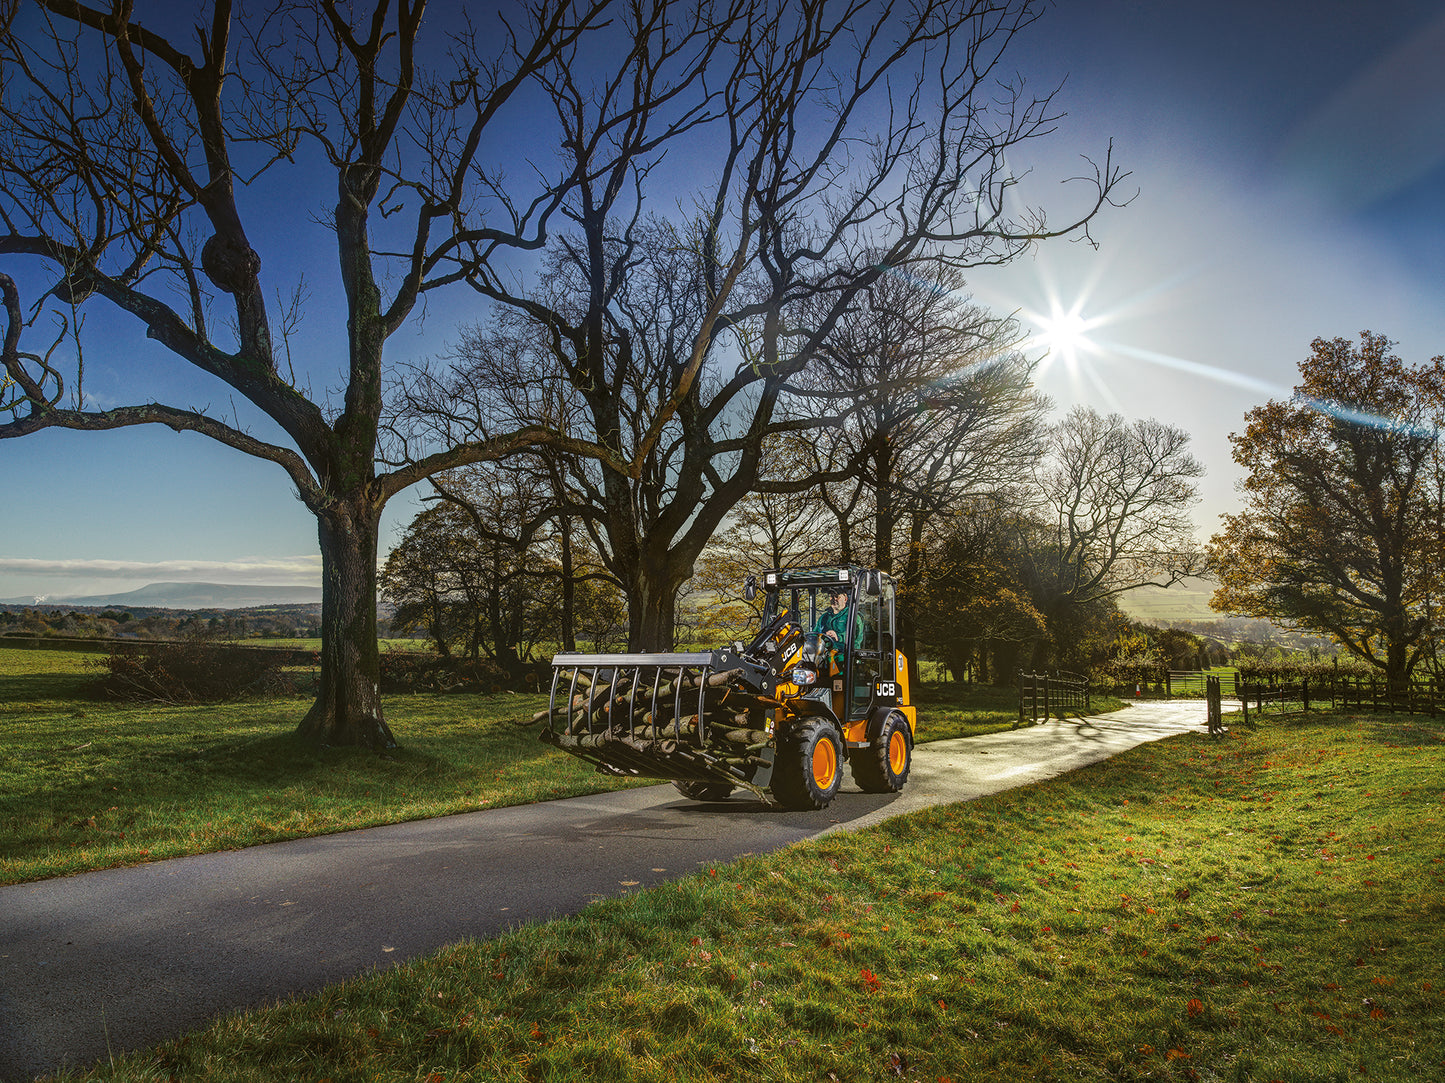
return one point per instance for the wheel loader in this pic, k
(778, 715)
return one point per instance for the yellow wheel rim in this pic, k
(825, 763)
(897, 752)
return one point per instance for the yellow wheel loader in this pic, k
(822, 684)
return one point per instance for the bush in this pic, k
(419, 671)
(190, 671)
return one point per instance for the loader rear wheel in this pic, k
(704, 791)
(883, 767)
(810, 766)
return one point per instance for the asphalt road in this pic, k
(121, 959)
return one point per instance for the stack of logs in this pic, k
(650, 703)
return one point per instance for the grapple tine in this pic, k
(671, 716)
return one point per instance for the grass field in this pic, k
(86, 784)
(1266, 907)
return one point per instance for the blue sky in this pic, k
(1290, 166)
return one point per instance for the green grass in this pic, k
(1266, 907)
(86, 784)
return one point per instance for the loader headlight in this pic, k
(803, 675)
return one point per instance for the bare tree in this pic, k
(141, 177)
(845, 143)
(947, 412)
(1112, 513)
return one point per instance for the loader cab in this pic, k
(858, 675)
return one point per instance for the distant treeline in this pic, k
(263, 622)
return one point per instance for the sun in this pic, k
(1064, 334)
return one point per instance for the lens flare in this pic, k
(1063, 334)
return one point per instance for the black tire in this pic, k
(883, 767)
(704, 791)
(809, 769)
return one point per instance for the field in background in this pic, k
(1187, 601)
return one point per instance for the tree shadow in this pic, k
(1398, 731)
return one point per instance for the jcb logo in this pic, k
(886, 689)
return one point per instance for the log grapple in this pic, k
(821, 684)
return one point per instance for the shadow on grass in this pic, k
(1406, 731)
(47, 687)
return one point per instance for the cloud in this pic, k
(297, 571)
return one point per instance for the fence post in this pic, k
(1021, 696)
(1243, 691)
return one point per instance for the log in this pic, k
(743, 737)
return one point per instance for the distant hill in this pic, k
(1187, 601)
(191, 596)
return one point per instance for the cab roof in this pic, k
(845, 576)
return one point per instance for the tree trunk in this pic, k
(569, 588)
(651, 612)
(910, 589)
(1397, 667)
(348, 710)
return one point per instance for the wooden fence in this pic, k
(1045, 694)
(1342, 693)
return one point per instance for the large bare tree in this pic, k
(946, 412)
(846, 143)
(147, 168)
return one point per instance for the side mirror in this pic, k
(750, 588)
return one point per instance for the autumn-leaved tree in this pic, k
(1340, 529)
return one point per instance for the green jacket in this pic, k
(834, 622)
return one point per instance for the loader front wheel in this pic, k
(810, 766)
(884, 766)
(704, 791)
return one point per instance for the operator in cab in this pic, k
(832, 623)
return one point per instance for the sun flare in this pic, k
(1063, 334)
